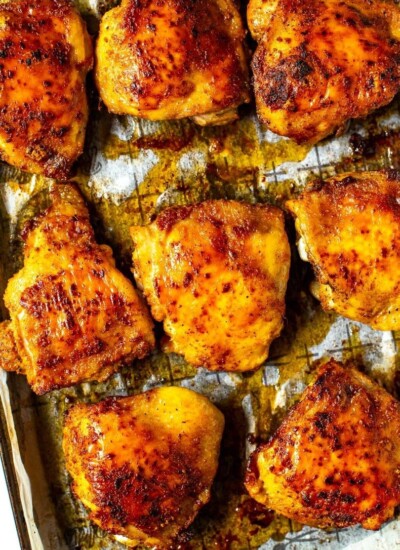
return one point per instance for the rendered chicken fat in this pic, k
(349, 230)
(335, 459)
(173, 59)
(74, 316)
(215, 273)
(144, 465)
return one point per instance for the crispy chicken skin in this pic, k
(45, 54)
(350, 232)
(74, 316)
(144, 464)
(173, 59)
(320, 63)
(335, 459)
(216, 274)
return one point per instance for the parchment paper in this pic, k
(130, 170)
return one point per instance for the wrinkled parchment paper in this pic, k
(130, 170)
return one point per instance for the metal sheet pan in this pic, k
(130, 170)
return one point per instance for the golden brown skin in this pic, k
(350, 232)
(320, 63)
(144, 464)
(74, 316)
(9, 358)
(173, 59)
(335, 459)
(45, 54)
(216, 274)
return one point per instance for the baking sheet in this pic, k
(130, 170)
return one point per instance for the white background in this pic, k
(9, 537)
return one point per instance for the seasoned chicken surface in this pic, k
(335, 459)
(216, 274)
(74, 316)
(320, 63)
(173, 59)
(45, 54)
(144, 464)
(350, 232)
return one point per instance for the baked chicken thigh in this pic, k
(173, 59)
(74, 316)
(320, 63)
(144, 465)
(335, 459)
(349, 230)
(216, 274)
(45, 54)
